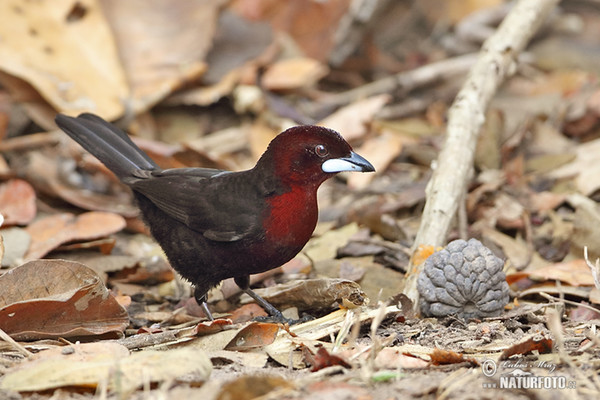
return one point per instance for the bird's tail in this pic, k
(107, 143)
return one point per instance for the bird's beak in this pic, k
(352, 163)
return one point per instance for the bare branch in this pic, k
(496, 61)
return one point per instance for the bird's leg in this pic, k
(200, 296)
(244, 283)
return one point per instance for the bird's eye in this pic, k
(321, 150)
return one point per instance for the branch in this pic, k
(497, 60)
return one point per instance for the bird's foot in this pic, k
(274, 314)
(200, 297)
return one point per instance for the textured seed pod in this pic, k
(464, 279)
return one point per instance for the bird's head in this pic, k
(308, 155)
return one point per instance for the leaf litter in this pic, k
(120, 323)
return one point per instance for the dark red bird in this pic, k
(215, 224)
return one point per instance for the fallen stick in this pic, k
(497, 60)
(405, 81)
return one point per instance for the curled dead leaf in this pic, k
(50, 232)
(543, 345)
(314, 294)
(57, 298)
(445, 357)
(255, 335)
(322, 359)
(72, 74)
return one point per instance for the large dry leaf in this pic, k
(575, 273)
(237, 41)
(381, 151)
(314, 294)
(17, 202)
(162, 44)
(394, 358)
(36, 106)
(325, 247)
(57, 298)
(65, 50)
(253, 336)
(312, 24)
(585, 168)
(50, 174)
(351, 121)
(50, 232)
(293, 73)
(96, 364)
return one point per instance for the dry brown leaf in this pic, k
(322, 359)
(351, 121)
(70, 59)
(206, 95)
(57, 298)
(313, 294)
(260, 135)
(325, 247)
(50, 232)
(43, 170)
(515, 249)
(584, 168)
(563, 81)
(312, 24)
(240, 46)
(541, 345)
(210, 327)
(255, 335)
(582, 313)
(393, 358)
(381, 151)
(17, 202)
(36, 106)
(247, 312)
(293, 73)
(445, 357)
(94, 364)
(166, 48)
(575, 273)
(454, 10)
(545, 201)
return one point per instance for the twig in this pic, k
(465, 118)
(4, 336)
(406, 80)
(595, 268)
(565, 301)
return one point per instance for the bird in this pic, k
(214, 224)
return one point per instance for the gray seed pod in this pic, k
(464, 279)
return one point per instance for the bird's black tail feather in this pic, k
(107, 143)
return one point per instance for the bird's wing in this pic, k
(208, 201)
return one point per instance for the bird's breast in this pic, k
(291, 217)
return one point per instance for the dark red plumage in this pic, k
(215, 224)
